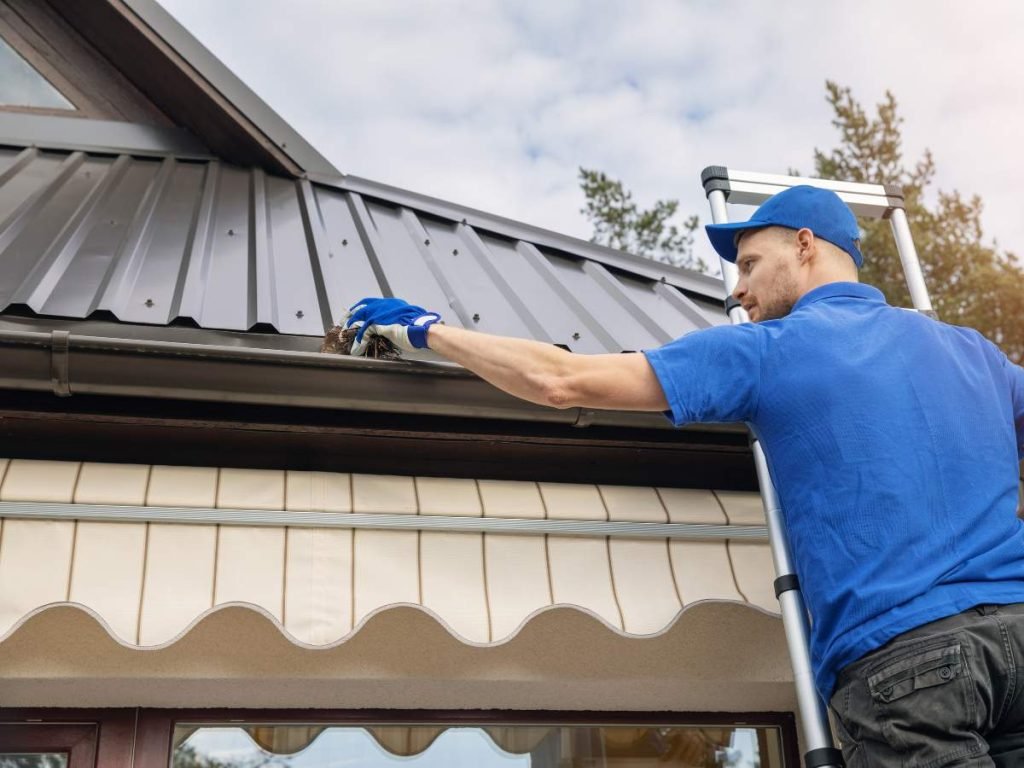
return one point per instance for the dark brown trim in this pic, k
(155, 726)
(131, 430)
(73, 66)
(77, 740)
(101, 737)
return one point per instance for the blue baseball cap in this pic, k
(820, 210)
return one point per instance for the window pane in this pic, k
(23, 86)
(389, 746)
(49, 760)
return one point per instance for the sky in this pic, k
(495, 104)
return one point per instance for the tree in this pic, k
(620, 223)
(971, 281)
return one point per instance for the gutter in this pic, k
(66, 364)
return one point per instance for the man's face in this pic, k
(767, 260)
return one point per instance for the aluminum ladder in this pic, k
(724, 185)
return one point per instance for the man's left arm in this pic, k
(548, 375)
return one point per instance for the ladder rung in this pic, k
(750, 188)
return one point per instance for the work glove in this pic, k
(403, 324)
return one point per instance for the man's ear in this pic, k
(805, 244)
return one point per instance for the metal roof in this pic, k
(200, 243)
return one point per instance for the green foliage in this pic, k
(971, 281)
(620, 223)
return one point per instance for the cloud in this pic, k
(495, 104)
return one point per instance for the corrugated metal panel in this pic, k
(162, 242)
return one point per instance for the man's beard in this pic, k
(784, 291)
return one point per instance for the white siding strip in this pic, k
(692, 506)
(755, 573)
(35, 561)
(511, 498)
(179, 579)
(112, 483)
(581, 575)
(318, 585)
(453, 582)
(517, 580)
(643, 584)
(636, 504)
(384, 493)
(450, 496)
(702, 571)
(386, 570)
(182, 487)
(318, 491)
(107, 573)
(250, 567)
(30, 480)
(568, 501)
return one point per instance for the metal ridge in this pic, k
(380, 521)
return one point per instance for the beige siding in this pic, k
(180, 563)
(318, 492)
(518, 580)
(150, 581)
(318, 584)
(581, 575)
(452, 568)
(387, 570)
(183, 487)
(45, 481)
(35, 566)
(384, 494)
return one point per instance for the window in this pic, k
(22, 86)
(313, 745)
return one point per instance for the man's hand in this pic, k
(403, 324)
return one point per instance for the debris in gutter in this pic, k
(338, 341)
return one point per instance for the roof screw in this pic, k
(344, 242)
(455, 251)
(330, 254)
(576, 337)
(476, 317)
(465, 222)
(299, 314)
(231, 233)
(284, 145)
(149, 302)
(427, 241)
(112, 222)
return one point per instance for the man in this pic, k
(893, 441)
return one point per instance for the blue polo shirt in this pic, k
(893, 441)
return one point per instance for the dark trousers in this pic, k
(949, 693)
